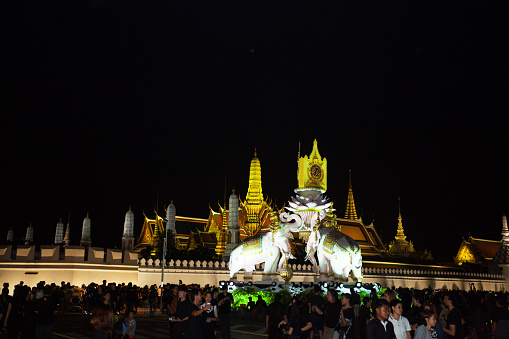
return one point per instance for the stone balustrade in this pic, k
(299, 268)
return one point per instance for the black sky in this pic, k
(106, 104)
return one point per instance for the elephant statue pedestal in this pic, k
(269, 277)
(331, 277)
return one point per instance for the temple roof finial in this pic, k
(255, 153)
(350, 212)
(400, 234)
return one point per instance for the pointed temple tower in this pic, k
(158, 235)
(67, 236)
(10, 236)
(350, 212)
(171, 214)
(502, 256)
(128, 236)
(254, 197)
(29, 239)
(59, 232)
(233, 230)
(86, 238)
(400, 246)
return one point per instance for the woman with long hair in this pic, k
(347, 321)
(427, 328)
(102, 321)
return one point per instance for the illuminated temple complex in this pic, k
(253, 217)
(236, 219)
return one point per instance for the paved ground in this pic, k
(77, 326)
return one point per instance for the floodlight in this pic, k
(231, 283)
(331, 284)
(249, 283)
(221, 283)
(325, 284)
(358, 285)
(341, 285)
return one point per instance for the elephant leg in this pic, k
(270, 265)
(281, 263)
(248, 275)
(323, 265)
(346, 272)
(234, 268)
(330, 271)
(311, 257)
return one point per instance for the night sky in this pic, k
(107, 104)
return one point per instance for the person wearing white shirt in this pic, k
(401, 324)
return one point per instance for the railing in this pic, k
(298, 268)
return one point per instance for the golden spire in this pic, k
(400, 235)
(350, 212)
(254, 196)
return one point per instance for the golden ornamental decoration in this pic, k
(286, 272)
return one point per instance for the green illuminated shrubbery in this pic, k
(241, 295)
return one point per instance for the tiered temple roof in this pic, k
(477, 251)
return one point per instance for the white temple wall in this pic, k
(72, 268)
(109, 266)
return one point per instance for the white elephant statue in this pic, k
(267, 248)
(338, 254)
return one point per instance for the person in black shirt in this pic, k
(500, 324)
(276, 312)
(209, 318)
(418, 307)
(225, 301)
(379, 327)
(453, 327)
(260, 307)
(332, 313)
(13, 318)
(347, 316)
(364, 317)
(179, 330)
(29, 317)
(316, 319)
(299, 322)
(194, 314)
(45, 308)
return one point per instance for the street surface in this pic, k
(77, 326)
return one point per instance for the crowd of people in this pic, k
(195, 312)
(398, 314)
